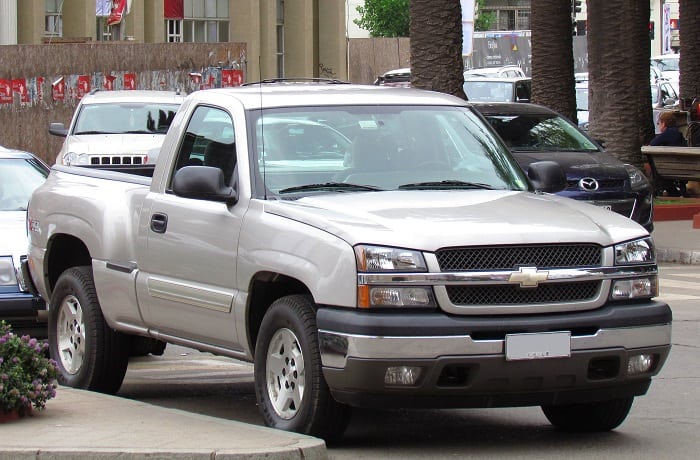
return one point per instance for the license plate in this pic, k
(538, 346)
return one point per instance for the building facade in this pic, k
(284, 38)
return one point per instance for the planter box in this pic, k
(678, 210)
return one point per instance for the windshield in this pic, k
(537, 132)
(132, 117)
(668, 64)
(489, 91)
(18, 179)
(305, 150)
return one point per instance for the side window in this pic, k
(209, 141)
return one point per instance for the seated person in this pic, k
(669, 135)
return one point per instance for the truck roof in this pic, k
(270, 95)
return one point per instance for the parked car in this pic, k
(20, 173)
(536, 133)
(117, 127)
(506, 71)
(495, 89)
(668, 65)
(396, 77)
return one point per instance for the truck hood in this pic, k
(13, 234)
(428, 220)
(106, 144)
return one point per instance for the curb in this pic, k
(678, 256)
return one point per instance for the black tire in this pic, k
(589, 417)
(288, 330)
(89, 354)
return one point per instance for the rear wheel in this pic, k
(89, 354)
(595, 416)
(291, 391)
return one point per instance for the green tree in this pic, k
(483, 20)
(384, 18)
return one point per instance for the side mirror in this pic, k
(203, 182)
(58, 129)
(547, 176)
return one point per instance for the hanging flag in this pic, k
(83, 85)
(120, 8)
(108, 82)
(174, 9)
(19, 86)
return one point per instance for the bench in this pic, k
(673, 163)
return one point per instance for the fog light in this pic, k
(402, 375)
(634, 288)
(640, 364)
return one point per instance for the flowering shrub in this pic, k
(27, 376)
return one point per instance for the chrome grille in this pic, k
(513, 295)
(512, 257)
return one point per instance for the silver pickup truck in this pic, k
(364, 247)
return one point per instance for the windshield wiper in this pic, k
(79, 133)
(445, 184)
(138, 131)
(342, 186)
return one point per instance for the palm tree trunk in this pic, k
(436, 46)
(614, 81)
(645, 116)
(553, 56)
(689, 17)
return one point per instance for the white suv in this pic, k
(117, 127)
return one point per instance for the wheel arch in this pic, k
(63, 252)
(265, 288)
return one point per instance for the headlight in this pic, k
(634, 252)
(373, 259)
(637, 178)
(7, 272)
(380, 259)
(73, 158)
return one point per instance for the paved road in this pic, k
(663, 424)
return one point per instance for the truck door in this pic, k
(186, 285)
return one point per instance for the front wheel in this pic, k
(89, 354)
(590, 417)
(289, 385)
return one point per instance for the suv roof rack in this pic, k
(330, 81)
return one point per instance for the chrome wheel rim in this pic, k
(70, 333)
(285, 373)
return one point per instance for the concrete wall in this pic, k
(30, 70)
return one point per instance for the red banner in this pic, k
(58, 89)
(5, 91)
(19, 86)
(129, 81)
(231, 77)
(173, 9)
(83, 85)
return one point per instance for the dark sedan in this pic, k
(535, 133)
(20, 174)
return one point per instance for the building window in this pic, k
(205, 21)
(53, 23)
(173, 30)
(280, 39)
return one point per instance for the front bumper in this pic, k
(462, 358)
(25, 313)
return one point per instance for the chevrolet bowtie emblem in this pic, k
(528, 277)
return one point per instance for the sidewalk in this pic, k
(677, 242)
(79, 424)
